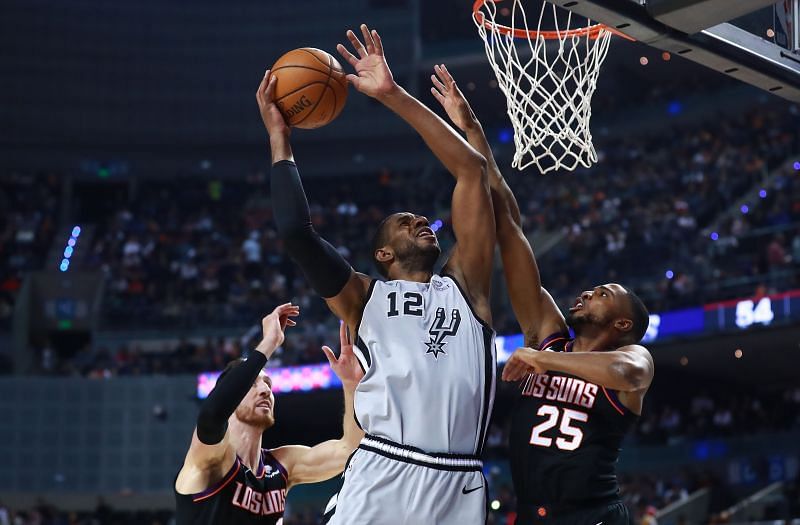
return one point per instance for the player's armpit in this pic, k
(313, 464)
(349, 303)
(204, 465)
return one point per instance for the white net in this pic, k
(548, 83)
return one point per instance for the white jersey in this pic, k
(430, 367)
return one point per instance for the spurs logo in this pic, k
(439, 331)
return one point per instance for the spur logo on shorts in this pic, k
(441, 329)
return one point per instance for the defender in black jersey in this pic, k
(578, 396)
(227, 477)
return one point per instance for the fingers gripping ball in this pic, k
(311, 88)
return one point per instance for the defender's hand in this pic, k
(347, 366)
(373, 77)
(270, 114)
(452, 99)
(521, 363)
(274, 325)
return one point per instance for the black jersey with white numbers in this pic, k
(241, 496)
(565, 440)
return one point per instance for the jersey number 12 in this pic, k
(412, 304)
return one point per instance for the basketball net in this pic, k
(548, 78)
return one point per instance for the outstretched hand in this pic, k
(274, 325)
(346, 366)
(373, 77)
(455, 104)
(270, 114)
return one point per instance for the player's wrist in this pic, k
(280, 147)
(391, 95)
(267, 348)
(348, 385)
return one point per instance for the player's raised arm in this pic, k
(533, 306)
(472, 212)
(211, 454)
(326, 270)
(325, 460)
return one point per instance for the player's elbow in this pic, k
(473, 165)
(211, 426)
(631, 374)
(294, 231)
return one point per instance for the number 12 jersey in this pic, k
(429, 365)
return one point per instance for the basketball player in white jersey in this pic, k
(423, 339)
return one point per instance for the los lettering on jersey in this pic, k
(259, 503)
(242, 496)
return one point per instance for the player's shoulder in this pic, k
(644, 355)
(281, 459)
(636, 348)
(556, 342)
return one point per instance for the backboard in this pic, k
(754, 41)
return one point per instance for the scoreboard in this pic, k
(727, 316)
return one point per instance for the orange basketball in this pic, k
(311, 88)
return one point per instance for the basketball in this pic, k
(311, 88)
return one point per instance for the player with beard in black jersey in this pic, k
(227, 476)
(579, 396)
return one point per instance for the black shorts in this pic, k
(615, 513)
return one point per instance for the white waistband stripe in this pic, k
(413, 455)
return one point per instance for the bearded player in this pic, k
(422, 338)
(580, 395)
(228, 476)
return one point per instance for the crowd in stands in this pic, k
(191, 252)
(28, 215)
(732, 414)
(194, 252)
(186, 252)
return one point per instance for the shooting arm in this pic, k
(326, 270)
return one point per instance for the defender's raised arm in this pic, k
(535, 310)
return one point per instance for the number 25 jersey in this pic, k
(565, 438)
(430, 367)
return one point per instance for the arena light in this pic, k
(745, 209)
(505, 135)
(714, 236)
(69, 249)
(669, 274)
(762, 194)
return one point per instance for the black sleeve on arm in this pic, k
(324, 267)
(212, 422)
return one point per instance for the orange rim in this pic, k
(593, 31)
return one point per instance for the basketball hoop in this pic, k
(549, 94)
